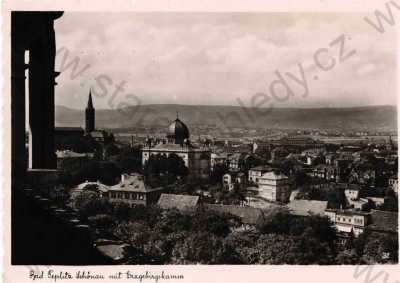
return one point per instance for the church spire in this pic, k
(90, 115)
(90, 102)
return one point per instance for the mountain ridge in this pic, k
(368, 117)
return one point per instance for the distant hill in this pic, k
(371, 117)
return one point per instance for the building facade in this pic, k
(133, 191)
(274, 187)
(348, 221)
(196, 159)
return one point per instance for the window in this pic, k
(141, 197)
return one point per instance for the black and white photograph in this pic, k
(203, 138)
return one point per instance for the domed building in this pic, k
(197, 158)
(178, 132)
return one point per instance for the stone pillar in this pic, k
(18, 135)
(41, 102)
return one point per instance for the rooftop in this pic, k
(248, 215)
(303, 207)
(70, 154)
(180, 202)
(271, 175)
(133, 183)
(264, 168)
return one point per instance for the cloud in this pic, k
(215, 58)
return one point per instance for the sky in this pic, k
(224, 59)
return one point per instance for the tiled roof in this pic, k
(274, 176)
(180, 202)
(248, 215)
(385, 221)
(261, 168)
(101, 187)
(306, 207)
(69, 154)
(133, 183)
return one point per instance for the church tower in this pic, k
(90, 115)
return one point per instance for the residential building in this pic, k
(248, 215)
(274, 186)
(133, 190)
(218, 158)
(348, 221)
(229, 180)
(393, 183)
(256, 172)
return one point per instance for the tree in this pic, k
(380, 248)
(204, 248)
(213, 222)
(160, 164)
(218, 171)
(135, 233)
(173, 221)
(105, 172)
(245, 248)
(89, 203)
(286, 249)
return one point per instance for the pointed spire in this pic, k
(177, 115)
(90, 102)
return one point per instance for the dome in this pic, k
(178, 131)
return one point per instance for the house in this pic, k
(274, 186)
(378, 201)
(393, 183)
(248, 215)
(323, 171)
(133, 190)
(218, 158)
(180, 202)
(348, 221)
(256, 172)
(352, 192)
(302, 207)
(329, 158)
(235, 161)
(230, 179)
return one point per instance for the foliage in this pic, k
(88, 203)
(218, 171)
(105, 172)
(136, 234)
(204, 248)
(80, 144)
(160, 164)
(377, 248)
